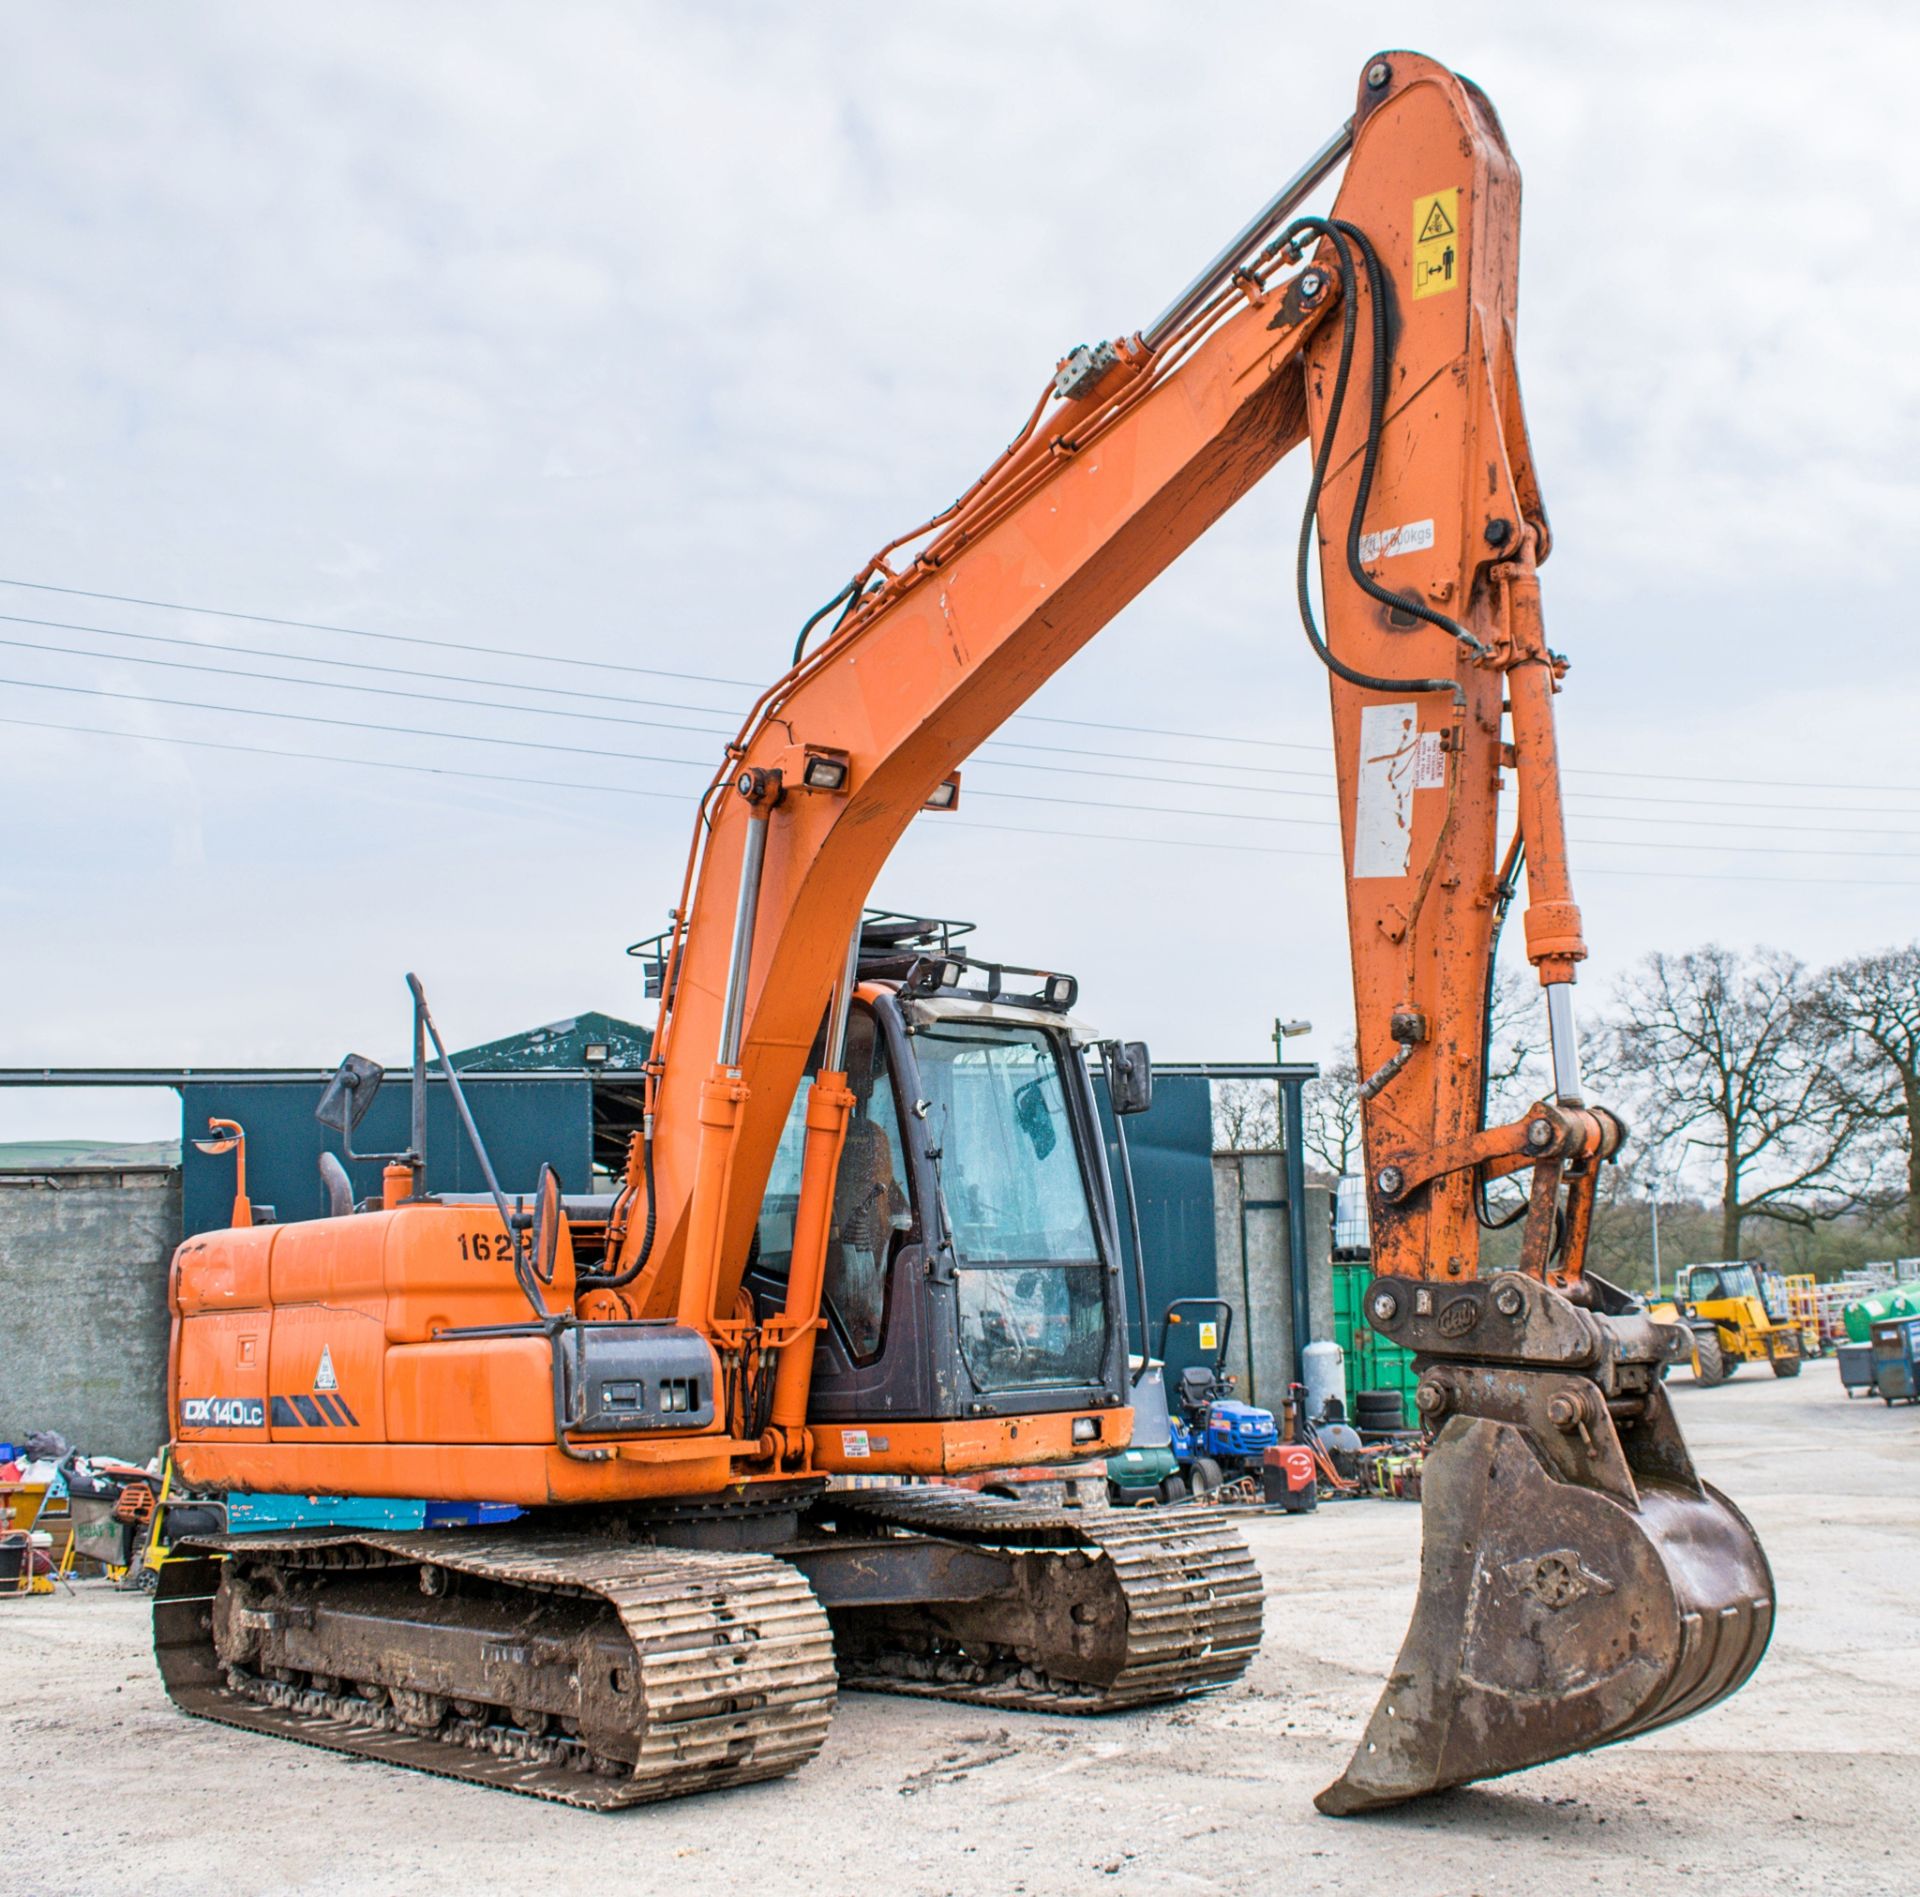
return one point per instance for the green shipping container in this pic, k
(1372, 1362)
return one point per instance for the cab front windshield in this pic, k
(1031, 1285)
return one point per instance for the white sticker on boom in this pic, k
(1430, 763)
(1383, 801)
(853, 1443)
(323, 1378)
(1415, 537)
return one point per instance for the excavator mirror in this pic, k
(1129, 1076)
(349, 1093)
(546, 1224)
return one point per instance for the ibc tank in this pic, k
(1326, 1372)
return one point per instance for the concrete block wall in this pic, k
(83, 1304)
(1255, 1271)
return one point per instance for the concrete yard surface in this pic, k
(1807, 1780)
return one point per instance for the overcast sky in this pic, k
(624, 332)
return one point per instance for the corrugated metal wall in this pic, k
(523, 1122)
(1172, 1149)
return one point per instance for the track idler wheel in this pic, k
(1578, 1585)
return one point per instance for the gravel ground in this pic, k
(1809, 1779)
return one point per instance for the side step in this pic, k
(1105, 1609)
(553, 1665)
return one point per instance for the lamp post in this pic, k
(1654, 1208)
(1284, 1031)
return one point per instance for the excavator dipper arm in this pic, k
(1580, 1584)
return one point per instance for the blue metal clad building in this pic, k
(564, 1095)
(1171, 1146)
(523, 1121)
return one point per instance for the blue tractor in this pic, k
(1216, 1439)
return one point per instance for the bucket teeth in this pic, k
(1555, 1615)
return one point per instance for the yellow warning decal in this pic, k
(1438, 255)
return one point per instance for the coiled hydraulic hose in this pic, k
(1345, 238)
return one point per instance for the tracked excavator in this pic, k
(864, 1229)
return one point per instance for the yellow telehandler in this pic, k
(1725, 1308)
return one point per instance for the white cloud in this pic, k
(624, 331)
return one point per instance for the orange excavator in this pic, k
(908, 1266)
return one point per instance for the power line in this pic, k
(376, 691)
(514, 709)
(555, 711)
(347, 724)
(496, 780)
(598, 695)
(1088, 724)
(637, 757)
(389, 638)
(1025, 797)
(327, 757)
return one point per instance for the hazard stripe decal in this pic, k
(321, 1410)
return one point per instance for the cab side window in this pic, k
(872, 1209)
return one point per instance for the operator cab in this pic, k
(1708, 1284)
(973, 1259)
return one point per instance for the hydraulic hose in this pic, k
(614, 1280)
(1344, 239)
(850, 593)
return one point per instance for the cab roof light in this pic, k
(945, 795)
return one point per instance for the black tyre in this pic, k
(1380, 1410)
(1709, 1360)
(1207, 1478)
(1787, 1366)
(1173, 1490)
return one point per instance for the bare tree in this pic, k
(1246, 1116)
(1871, 1008)
(1331, 1135)
(1726, 1054)
(1516, 1047)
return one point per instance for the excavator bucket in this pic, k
(1578, 1584)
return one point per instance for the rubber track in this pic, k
(1193, 1596)
(735, 1663)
